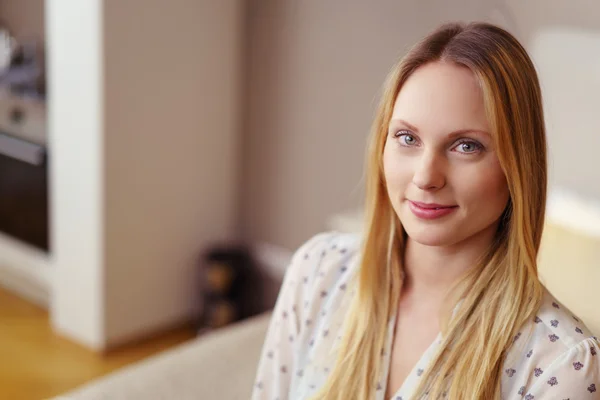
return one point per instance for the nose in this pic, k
(429, 171)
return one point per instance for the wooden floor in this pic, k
(36, 364)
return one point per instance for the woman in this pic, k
(439, 296)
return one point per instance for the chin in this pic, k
(430, 239)
(430, 234)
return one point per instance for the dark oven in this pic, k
(23, 173)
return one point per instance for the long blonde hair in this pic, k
(501, 292)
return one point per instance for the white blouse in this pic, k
(558, 360)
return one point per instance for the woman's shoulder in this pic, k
(325, 251)
(559, 323)
(554, 354)
(308, 313)
(329, 241)
(553, 330)
(321, 270)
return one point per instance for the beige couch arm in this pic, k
(218, 365)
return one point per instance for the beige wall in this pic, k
(315, 71)
(25, 18)
(563, 42)
(171, 122)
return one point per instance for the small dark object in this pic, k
(228, 287)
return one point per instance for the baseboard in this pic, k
(24, 288)
(25, 271)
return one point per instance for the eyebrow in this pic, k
(452, 134)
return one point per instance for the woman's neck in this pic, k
(430, 271)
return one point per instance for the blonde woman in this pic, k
(439, 297)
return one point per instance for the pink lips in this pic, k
(430, 210)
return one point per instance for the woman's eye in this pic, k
(468, 147)
(406, 139)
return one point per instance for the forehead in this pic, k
(441, 97)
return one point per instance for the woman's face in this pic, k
(441, 170)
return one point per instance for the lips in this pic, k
(430, 205)
(430, 210)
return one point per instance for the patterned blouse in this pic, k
(558, 360)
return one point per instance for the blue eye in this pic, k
(467, 146)
(405, 138)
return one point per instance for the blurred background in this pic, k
(161, 160)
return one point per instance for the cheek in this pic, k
(487, 190)
(394, 169)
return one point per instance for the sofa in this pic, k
(217, 365)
